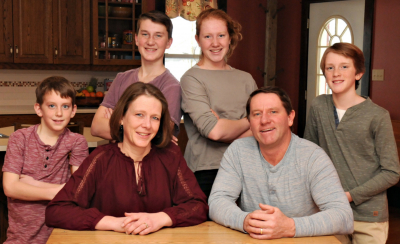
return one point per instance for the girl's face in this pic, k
(214, 41)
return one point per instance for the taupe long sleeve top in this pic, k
(224, 91)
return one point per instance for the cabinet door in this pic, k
(6, 37)
(33, 31)
(71, 31)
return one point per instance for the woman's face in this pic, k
(141, 121)
(214, 41)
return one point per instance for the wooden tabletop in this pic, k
(93, 141)
(208, 232)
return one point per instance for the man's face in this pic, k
(269, 121)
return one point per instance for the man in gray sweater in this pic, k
(276, 184)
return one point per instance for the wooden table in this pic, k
(92, 140)
(208, 232)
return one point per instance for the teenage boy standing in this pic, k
(153, 36)
(358, 136)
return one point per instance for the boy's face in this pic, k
(340, 73)
(152, 40)
(55, 112)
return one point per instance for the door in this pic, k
(33, 31)
(351, 11)
(6, 32)
(71, 31)
(363, 39)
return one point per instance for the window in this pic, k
(336, 29)
(184, 51)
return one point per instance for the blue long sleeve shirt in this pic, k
(304, 185)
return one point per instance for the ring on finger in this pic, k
(261, 231)
(147, 226)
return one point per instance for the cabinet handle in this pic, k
(16, 49)
(11, 49)
(56, 51)
(95, 52)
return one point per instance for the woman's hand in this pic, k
(111, 223)
(145, 223)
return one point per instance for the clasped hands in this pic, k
(141, 223)
(268, 223)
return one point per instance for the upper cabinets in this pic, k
(32, 31)
(6, 33)
(71, 31)
(45, 31)
(58, 32)
(113, 32)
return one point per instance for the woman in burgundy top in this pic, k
(137, 185)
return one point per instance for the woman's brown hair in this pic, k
(164, 135)
(233, 27)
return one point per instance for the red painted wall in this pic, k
(385, 54)
(249, 54)
(288, 50)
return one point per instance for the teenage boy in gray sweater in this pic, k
(358, 136)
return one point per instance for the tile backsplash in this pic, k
(77, 85)
(17, 87)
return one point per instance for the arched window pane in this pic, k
(322, 86)
(331, 26)
(347, 36)
(321, 53)
(334, 40)
(335, 30)
(341, 26)
(324, 41)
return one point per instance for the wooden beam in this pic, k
(270, 43)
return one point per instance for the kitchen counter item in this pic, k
(88, 101)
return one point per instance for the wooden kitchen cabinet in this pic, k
(6, 38)
(32, 24)
(45, 31)
(71, 31)
(107, 24)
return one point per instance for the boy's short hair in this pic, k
(156, 17)
(59, 85)
(283, 96)
(349, 51)
(164, 134)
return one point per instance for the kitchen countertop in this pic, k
(28, 109)
(93, 141)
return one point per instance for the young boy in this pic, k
(357, 134)
(36, 162)
(153, 36)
